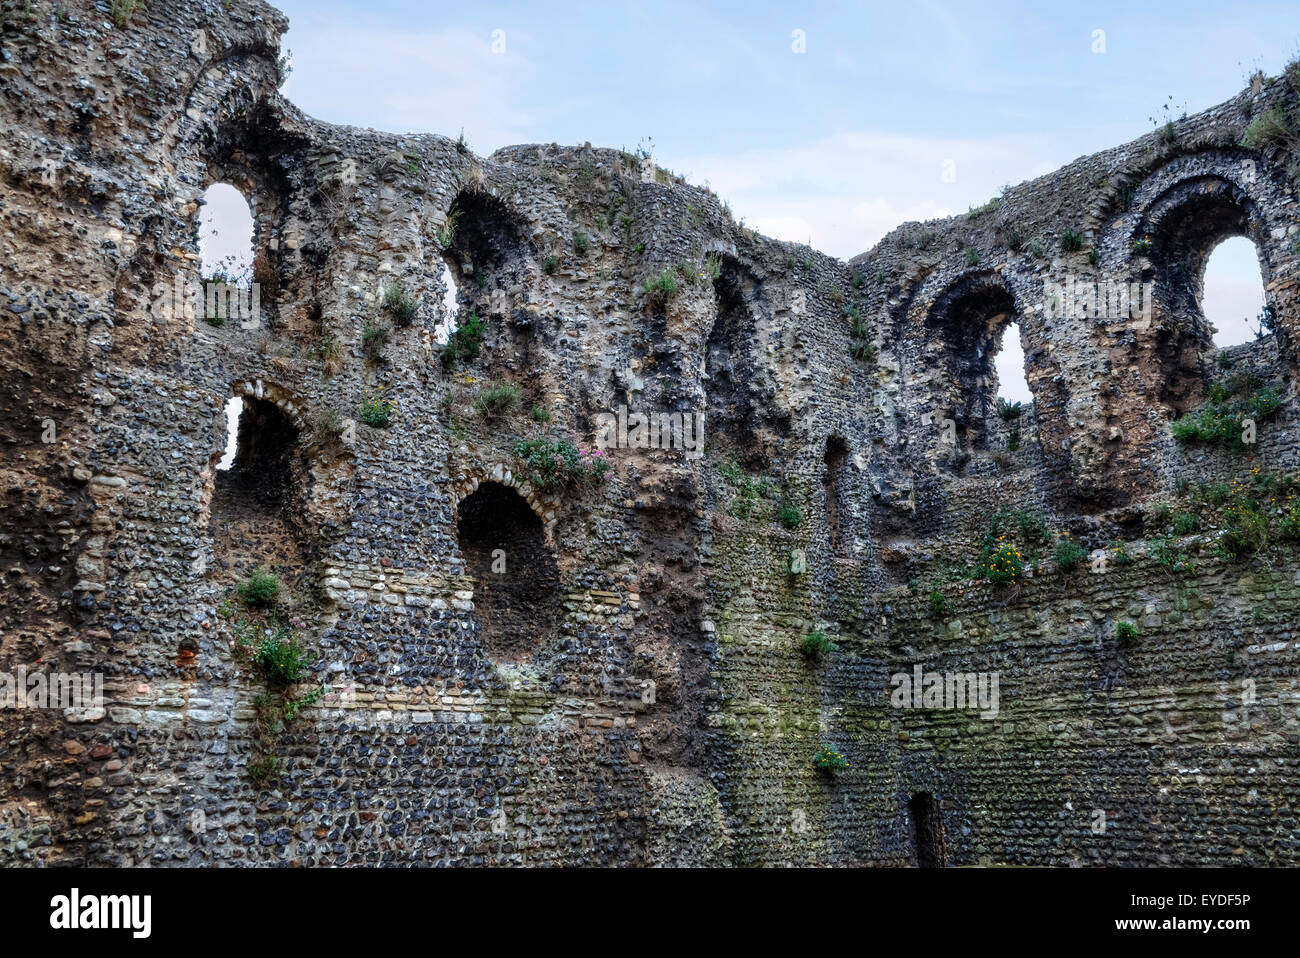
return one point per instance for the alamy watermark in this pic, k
(75, 911)
(683, 431)
(212, 300)
(21, 689)
(1092, 297)
(977, 691)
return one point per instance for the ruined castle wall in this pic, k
(662, 713)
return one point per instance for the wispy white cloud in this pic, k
(413, 82)
(845, 191)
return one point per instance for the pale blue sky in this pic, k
(835, 145)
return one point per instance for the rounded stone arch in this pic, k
(256, 504)
(1181, 212)
(738, 387)
(1200, 199)
(252, 153)
(487, 252)
(488, 231)
(507, 548)
(546, 510)
(235, 131)
(958, 337)
(217, 83)
(273, 393)
(271, 396)
(1185, 223)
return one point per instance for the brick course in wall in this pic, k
(669, 716)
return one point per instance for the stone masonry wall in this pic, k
(667, 714)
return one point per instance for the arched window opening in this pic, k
(256, 505)
(838, 517)
(484, 252)
(1232, 298)
(516, 580)
(738, 420)
(1185, 225)
(976, 331)
(1009, 365)
(225, 236)
(927, 831)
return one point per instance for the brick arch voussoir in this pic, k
(542, 506)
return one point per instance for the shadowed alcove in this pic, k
(516, 581)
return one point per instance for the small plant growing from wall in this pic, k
(265, 275)
(1223, 419)
(829, 759)
(1275, 128)
(1008, 411)
(268, 643)
(277, 656)
(541, 415)
(1142, 246)
(261, 588)
(121, 11)
(398, 303)
(283, 63)
(1069, 554)
(1266, 324)
(328, 353)
(861, 346)
(580, 243)
(1170, 559)
(789, 516)
(1003, 564)
(377, 410)
(373, 340)
(446, 233)
(662, 289)
(1126, 633)
(465, 343)
(1289, 525)
(815, 646)
(552, 464)
(325, 435)
(1032, 526)
(1245, 532)
(550, 264)
(862, 350)
(1244, 510)
(1071, 241)
(278, 659)
(1013, 438)
(1119, 553)
(496, 400)
(938, 603)
(749, 491)
(266, 769)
